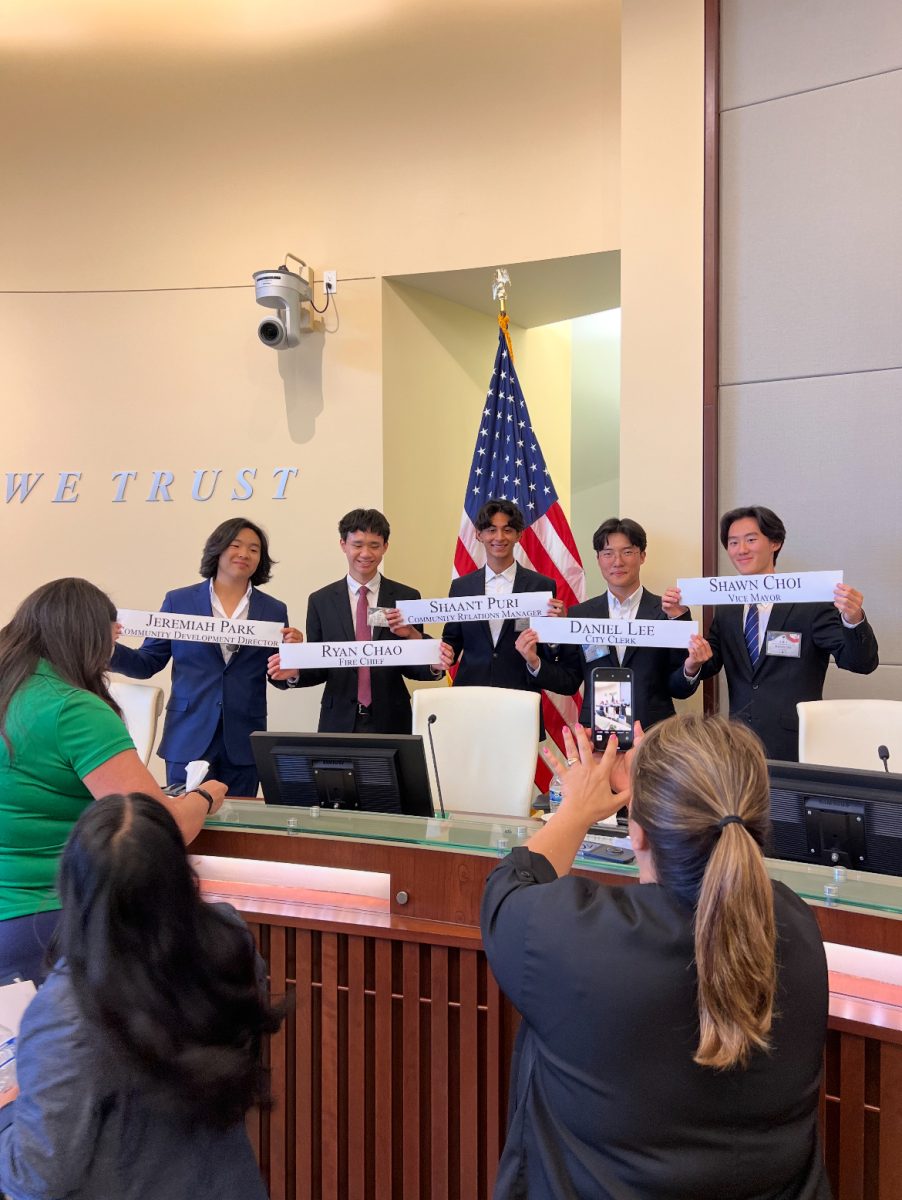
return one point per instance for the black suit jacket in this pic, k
(329, 620)
(606, 1102)
(765, 698)
(482, 662)
(657, 673)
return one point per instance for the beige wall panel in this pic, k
(811, 190)
(774, 48)
(661, 264)
(428, 137)
(884, 684)
(824, 454)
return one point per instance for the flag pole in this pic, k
(501, 282)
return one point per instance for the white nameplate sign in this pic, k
(185, 627)
(595, 631)
(475, 608)
(779, 587)
(392, 652)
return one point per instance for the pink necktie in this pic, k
(362, 633)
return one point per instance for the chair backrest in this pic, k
(486, 741)
(141, 705)
(846, 733)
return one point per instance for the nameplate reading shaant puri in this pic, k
(475, 608)
(390, 652)
(188, 627)
(586, 631)
(778, 587)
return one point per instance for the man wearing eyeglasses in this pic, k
(658, 674)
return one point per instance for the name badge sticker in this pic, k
(376, 616)
(781, 644)
(520, 624)
(592, 652)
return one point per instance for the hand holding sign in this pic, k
(274, 663)
(526, 645)
(672, 604)
(849, 602)
(699, 653)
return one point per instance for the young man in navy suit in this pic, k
(765, 683)
(218, 694)
(365, 699)
(619, 545)
(487, 650)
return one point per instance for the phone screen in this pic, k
(612, 709)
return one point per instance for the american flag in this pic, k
(508, 464)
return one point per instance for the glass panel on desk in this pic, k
(459, 831)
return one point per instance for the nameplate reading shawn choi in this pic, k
(588, 631)
(390, 652)
(475, 608)
(777, 587)
(188, 627)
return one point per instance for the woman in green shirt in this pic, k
(62, 744)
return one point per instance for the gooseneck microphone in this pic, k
(431, 720)
(883, 752)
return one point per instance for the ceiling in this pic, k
(541, 293)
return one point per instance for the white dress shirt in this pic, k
(239, 613)
(623, 610)
(501, 584)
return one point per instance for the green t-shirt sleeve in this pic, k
(89, 733)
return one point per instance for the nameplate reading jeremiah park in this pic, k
(390, 652)
(586, 631)
(475, 608)
(188, 627)
(779, 587)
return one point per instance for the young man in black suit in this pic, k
(486, 650)
(619, 546)
(365, 699)
(765, 685)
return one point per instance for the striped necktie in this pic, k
(751, 634)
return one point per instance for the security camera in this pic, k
(284, 291)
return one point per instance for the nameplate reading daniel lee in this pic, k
(587, 631)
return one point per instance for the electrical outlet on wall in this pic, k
(330, 282)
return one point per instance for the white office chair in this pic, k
(486, 741)
(846, 733)
(141, 705)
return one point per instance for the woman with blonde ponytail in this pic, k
(672, 1033)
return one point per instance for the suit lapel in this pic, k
(386, 599)
(341, 599)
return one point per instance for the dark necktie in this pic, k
(751, 634)
(362, 633)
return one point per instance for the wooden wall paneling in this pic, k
(282, 1071)
(410, 1070)
(469, 1077)
(384, 1099)
(329, 1068)
(306, 1106)
(851, 1118)
(356, 1059)
(494, 1066)
(438, 1073)
(889, 1167)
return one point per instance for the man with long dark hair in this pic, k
(218, 691)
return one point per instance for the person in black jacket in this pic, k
(765, 686)
(672, 1035)
(486, 650)
(364, 699)
(619, 545)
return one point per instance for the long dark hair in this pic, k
(68, 622)
(170, 982)
(689, 774)
(223, 536)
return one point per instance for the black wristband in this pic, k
(206, 795)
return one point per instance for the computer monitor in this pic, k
(836, 817)
(366, 772)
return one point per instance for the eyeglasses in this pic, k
(626, 555)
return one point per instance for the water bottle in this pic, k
(7, 1058)
(555, 794)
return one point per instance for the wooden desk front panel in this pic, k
(390, 1075)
